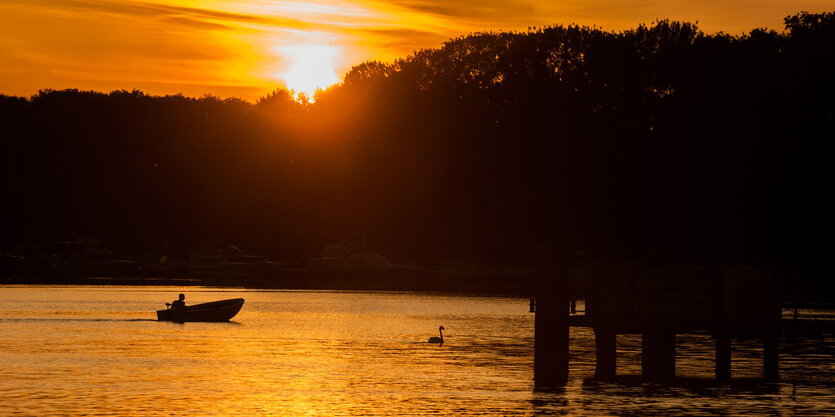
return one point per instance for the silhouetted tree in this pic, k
(658, 143)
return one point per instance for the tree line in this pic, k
(660, 143)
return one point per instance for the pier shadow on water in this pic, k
(632, 395)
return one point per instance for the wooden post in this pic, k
(723, 357)
(771, 344)
(771, 356)
(659, 354)
(606, 348)
(551, 326)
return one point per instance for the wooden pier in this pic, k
(658, 303)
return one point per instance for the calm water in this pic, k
(99, 351)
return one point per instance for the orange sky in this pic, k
(246, 48)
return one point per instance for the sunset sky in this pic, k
(247, 48)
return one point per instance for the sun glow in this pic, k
(310, 67)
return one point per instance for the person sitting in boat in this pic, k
(179, 304)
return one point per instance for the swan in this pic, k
(434, 339)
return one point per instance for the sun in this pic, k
(310, 67)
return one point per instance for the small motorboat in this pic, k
(222, 310)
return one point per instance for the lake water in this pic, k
(99, 351)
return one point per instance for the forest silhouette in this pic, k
(658, 144)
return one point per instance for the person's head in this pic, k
(182, 297)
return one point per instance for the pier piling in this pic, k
(551, 327)
(658, 359)
(771, 356)
(723, 357)
(606, 349)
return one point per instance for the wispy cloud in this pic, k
(146, 10)
(473, 10)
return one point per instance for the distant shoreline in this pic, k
(522, 286)
(409, 281)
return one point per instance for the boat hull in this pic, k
(214, 311)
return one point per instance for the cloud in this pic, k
(186, 15)
(404, 39)
(196, 23)
(473, 10)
